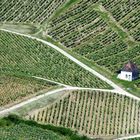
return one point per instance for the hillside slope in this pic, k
(96, 114)
(33, 58)
(101, 32)
(33, 11)
(106, 33)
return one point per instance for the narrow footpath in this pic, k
(115, 86)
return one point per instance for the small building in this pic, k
(129, 72)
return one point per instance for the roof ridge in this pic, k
(130, 67)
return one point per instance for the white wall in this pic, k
(125, 76)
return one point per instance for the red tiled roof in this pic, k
(130, 67)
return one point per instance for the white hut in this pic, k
(129, 72)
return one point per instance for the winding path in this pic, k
(51, 81)
(33, 99)
(116, 89)
(115, 86)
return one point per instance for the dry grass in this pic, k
(13, 89)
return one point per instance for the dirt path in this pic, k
(116, 87)
(128, 137)
(8, 110)
(51, 81)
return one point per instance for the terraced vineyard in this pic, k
(92, 35)
(14, 89)
(30, 57)
(99, 36)
(74, 27)
(33, 11)
(104, 32)
(126, 13)
(93, 113)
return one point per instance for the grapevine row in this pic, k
(93, 113)
(31, 57)
(28, 11)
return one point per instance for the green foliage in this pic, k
(135, 138)
(4, 122)
(30, 57)
(19, 129)
(83, 111)
(28, 11)
(105, 33)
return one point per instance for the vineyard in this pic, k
(85, 28)
(24, 131)
(14, 89)
(33, 11)
(126, 13)
(108, 39)
(85, 37)
(93, 113)
(31, 57)
(89, 21)
(89, 35)
(75, 27)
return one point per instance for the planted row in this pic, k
(93, 113)
(31, 57)
(28, 11)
